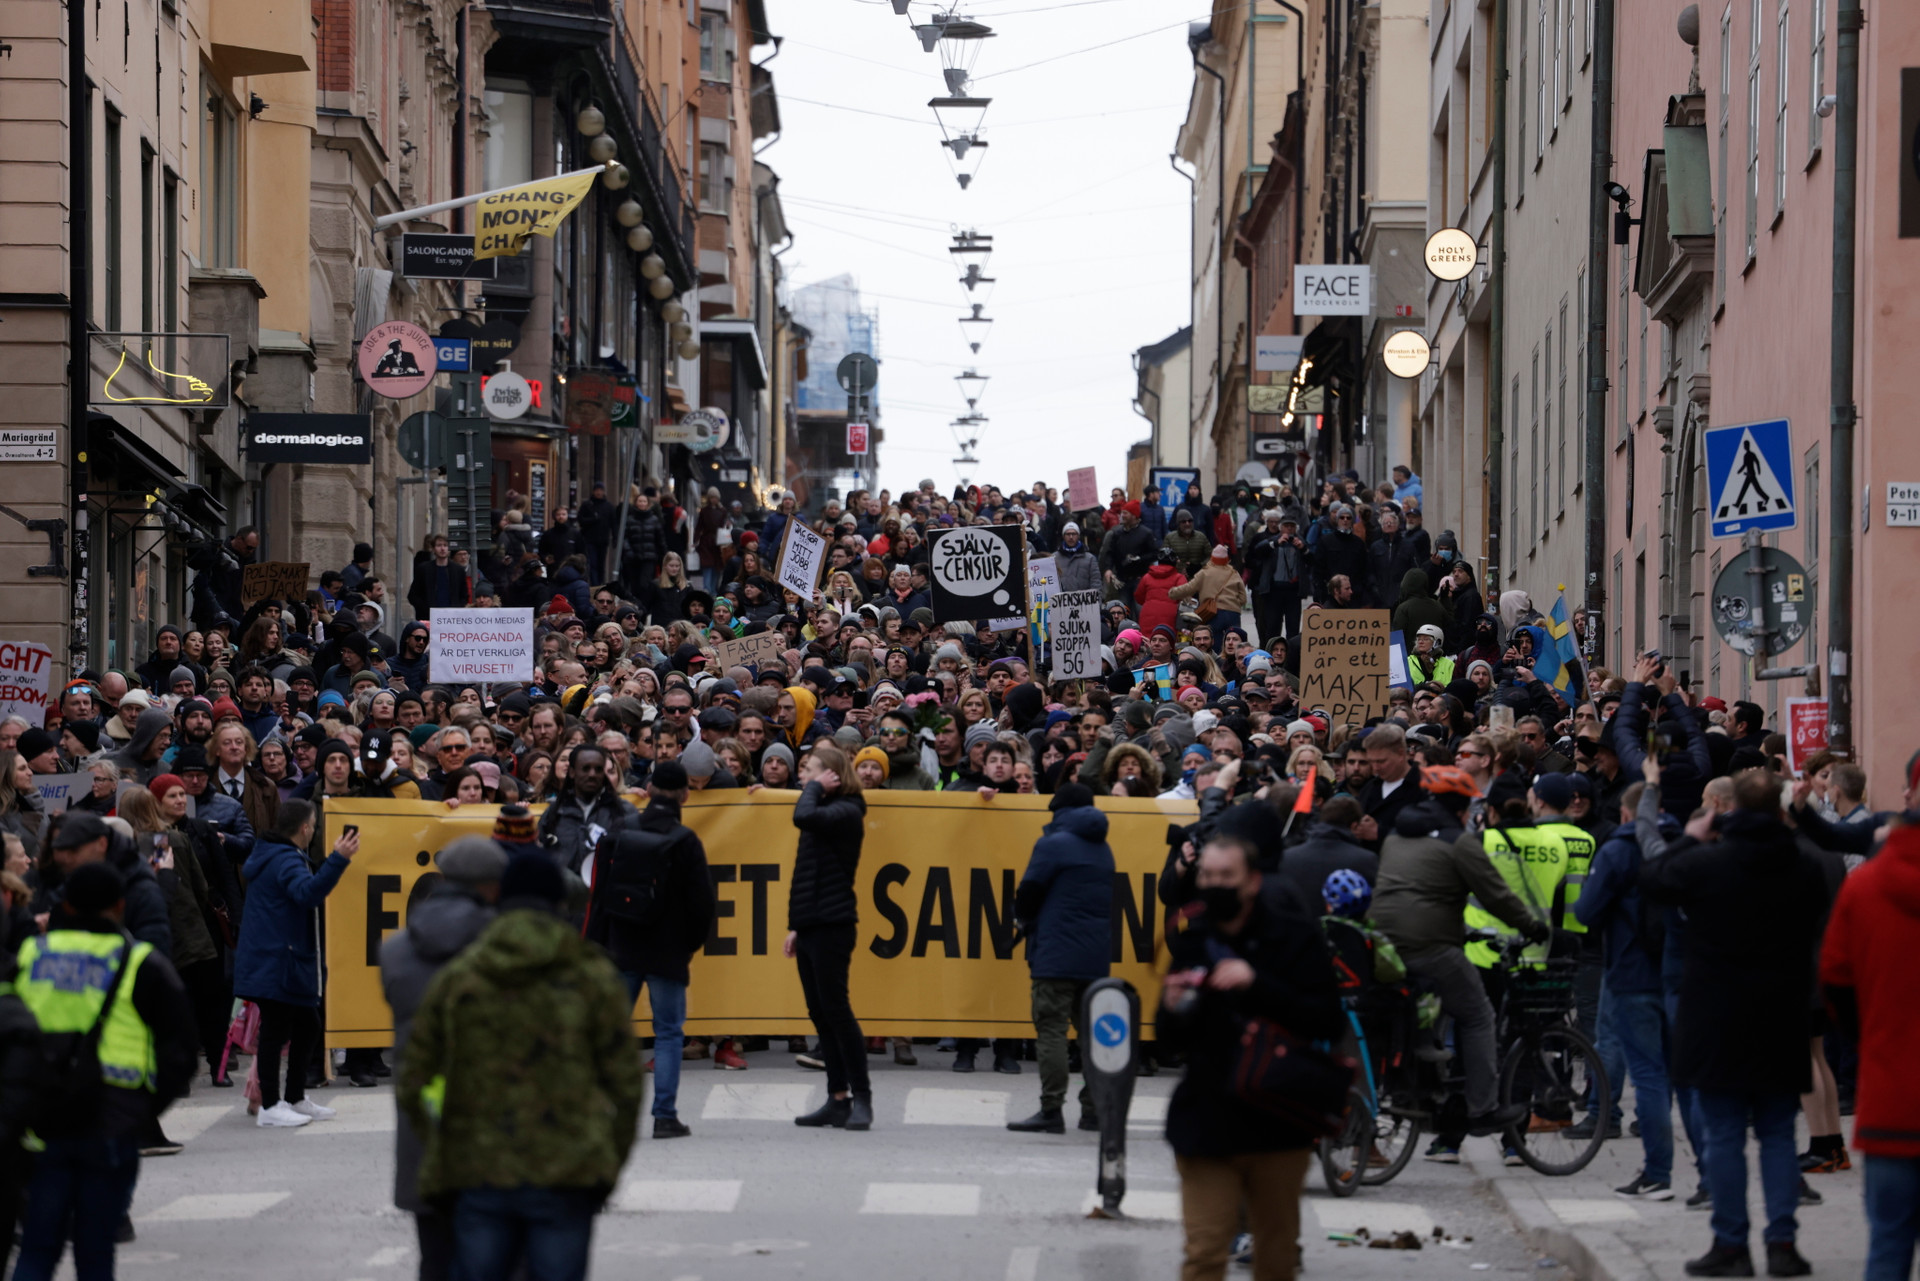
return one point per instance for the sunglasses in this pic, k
(454, 747)
(676, 711)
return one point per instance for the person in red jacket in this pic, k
(1156, 607)
(1872, 987)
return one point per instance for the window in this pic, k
(1580, 372)
(1543, 457)
(509, 134)
(110, 208)
(1619, 614)
(1810, 508)
(1817, 73)
(1533, 453)
(1753, 133)
(147, 238)
(219, 178)
(170, 258)
(1566, 477)
(713, 47)
(1640, 603)
(1642, 361)
(1513, 483)
(1520, 114)
(1540, 82)
(716, 178)
(1620, 382)
(1589, 48)
(1559, 62)
(1780, 73)
(1726, 194)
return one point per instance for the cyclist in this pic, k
(1429, 867)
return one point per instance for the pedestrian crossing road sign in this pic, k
(1750, 478)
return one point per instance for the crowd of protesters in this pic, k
(1689, 872)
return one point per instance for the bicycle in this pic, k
(1547, 1063)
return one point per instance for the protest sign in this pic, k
(57, 791)
(978, 572)
(1082, 490)
(1043, 580)
(801, 555)
(1075, 632)
(1346, 664)
(1806, 731)
(273, 580)
(480, 645)
(25, 669)
(748, 651)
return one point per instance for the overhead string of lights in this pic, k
(961, 115)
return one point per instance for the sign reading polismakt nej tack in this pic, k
(480, 645)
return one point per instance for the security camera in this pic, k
(1618, 194)
(1825, 106)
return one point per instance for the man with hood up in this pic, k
(152, 735)
(411, 661)
(372, 618)
(1417, 607)
(1065, 906)
(157, 671)
(440, 928)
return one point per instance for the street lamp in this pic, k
(975, 326)
(972, 386)
(969, 153)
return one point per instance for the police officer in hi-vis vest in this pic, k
(86, 979)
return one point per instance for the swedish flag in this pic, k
(1554, 666)
(1159, 682)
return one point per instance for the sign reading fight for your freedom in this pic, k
(1346, 665)
(480, 645)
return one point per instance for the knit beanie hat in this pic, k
(164, 783)
(981, 732)
(879, 757)
(515, 823)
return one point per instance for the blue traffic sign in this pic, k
(455, 353)
(1110, 1029)
(1750, 478)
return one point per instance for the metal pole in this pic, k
(79, 359)
(1840, 443)
(1497, 314)
(1599, 240)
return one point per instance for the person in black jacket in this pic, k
(822, 915)
(644, 544)
(651, 907)
(595, 519)
(1331, 845)
(1339, 550)
(1244, 956)
(1392, 785)
(1754, 904)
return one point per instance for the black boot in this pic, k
(1045, 1121)
(963, 1060)
(1088, 1121)
(1783, 1260)
(1007, 1064)
(833, 1112)
(670, 1127)
(1722, 1261)
(860, 1113)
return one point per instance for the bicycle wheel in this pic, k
(1395, 1139)
(1551, 1070)
(1343, 1155)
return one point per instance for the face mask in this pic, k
(1186, 776)
(1222, 902)
(1445, 556)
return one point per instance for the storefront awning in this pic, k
(744, 337)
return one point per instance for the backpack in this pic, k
(67, 1088)
(635, 865)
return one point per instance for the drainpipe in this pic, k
(79, 299)
(1173, 160)
(1599, 238)
(1219, 242)
(1497, 313)
(1846, 134)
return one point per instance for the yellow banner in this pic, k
(936, 885)
(503, 222)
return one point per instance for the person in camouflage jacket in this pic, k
(522, 1073)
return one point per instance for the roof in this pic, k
(1160, 352)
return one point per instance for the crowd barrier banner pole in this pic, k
(936, 954)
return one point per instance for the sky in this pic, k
(1089, 219)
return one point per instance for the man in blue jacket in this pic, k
(1065, 906)
(1633, 1002)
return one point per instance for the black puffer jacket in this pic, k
(831, 829)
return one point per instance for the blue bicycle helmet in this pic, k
(1347, 893)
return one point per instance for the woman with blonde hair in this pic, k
(670, 588)
(823, 926)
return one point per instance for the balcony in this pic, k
(261, 37)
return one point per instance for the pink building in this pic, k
(1727, 286)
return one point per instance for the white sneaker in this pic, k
(281, 1115)
(317, 1111)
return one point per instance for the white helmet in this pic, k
(1433, 633)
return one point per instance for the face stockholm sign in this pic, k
(1323, 290)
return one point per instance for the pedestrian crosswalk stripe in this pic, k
(358, 1114)
(389, 1256)
(1024, 1263)
(768, 1102)
(189, 1121)
(929, 1106)
(1138, 1204)
(1591, 1210)
(954, 1199)
(1378, 1217)
(679, 1196)
(1148, 1110)
(208, 1206)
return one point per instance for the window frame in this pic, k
(1782, 97)
(112, 218)
(1816, 74)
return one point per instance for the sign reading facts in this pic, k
(1347, 663)
(273, 580)
(748, 651)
